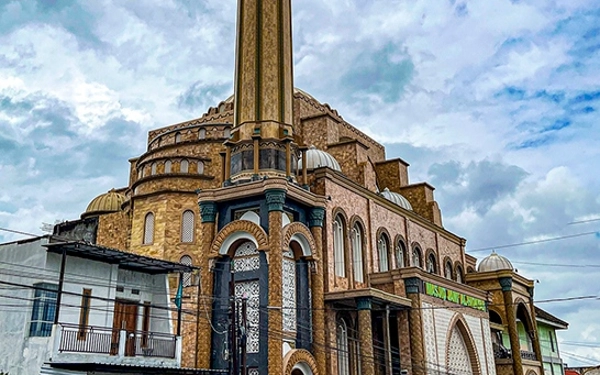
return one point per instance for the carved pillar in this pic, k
(513, 333)
(275, 199)
(365, 336)
(404, 337)
(316, 217)
(413, 291)
(534, 333)
(208, 214)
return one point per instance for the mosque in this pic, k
(342, 263)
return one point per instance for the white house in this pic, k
(75, 308)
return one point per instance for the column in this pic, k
(275, 199)
(319, 350)
(535, 337)
(365, 336)
(208, 214)
(513, 333)
(412, 286)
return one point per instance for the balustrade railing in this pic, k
(528, 355)
(99, 340)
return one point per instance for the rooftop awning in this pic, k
(125, 260)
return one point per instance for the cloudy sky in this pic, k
(496, 103)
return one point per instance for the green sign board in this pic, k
(453, 296)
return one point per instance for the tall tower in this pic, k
(262, 138)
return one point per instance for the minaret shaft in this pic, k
(264, 67)
(262, 139)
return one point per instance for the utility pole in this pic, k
(244, 333)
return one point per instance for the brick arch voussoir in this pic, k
(458, 321)
(297, 227)
(296, 356)
(240, 226)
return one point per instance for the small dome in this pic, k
(494, 262)
(104, 203)
(396, 198)
(316, 158)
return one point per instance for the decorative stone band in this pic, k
(506, 283)
(275, 199)
(413, 285)
(363, 303)
(208, 211)
(316, 216)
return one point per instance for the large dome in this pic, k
(316, 158)
(104, 203)
(494, 262)
(396, 198)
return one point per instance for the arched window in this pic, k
(416, 257)
(187, 276)
(184, 166)
(149, 228)
(202, 133)
(227, 133)
(168, 166)
(357, 253)
(431, 263)
(382, 251)
(459, 274)
(153, 169)
(177, 137)
(343, 357)
(187, 226)
(448, 270)
(338, 247)
(200, 167)
(400, 251)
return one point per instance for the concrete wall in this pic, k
(29, 263)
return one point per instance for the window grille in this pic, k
(187, 226)
(149, 228)
(342, 348)
(186, 260)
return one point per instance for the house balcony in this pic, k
(76, 344)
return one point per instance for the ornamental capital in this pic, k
(275, 199)
(208, 211)
(316, 216)
(506, 283)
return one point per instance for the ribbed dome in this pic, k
(396, 198)
(104, 203)
(316, 158)
(494, 262)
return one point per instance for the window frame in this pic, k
(358, 264)
(43, 311)
(146, 240)
(339, 248)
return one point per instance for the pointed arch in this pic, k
(461, 352)
(237, 230)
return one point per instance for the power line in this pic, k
(533, 242)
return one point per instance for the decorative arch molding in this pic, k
(300, 233)
(237, 230)
(357, 219)
(299, 359)
(458, 322)
(338, 211)
(428, 253)
(521, 305)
